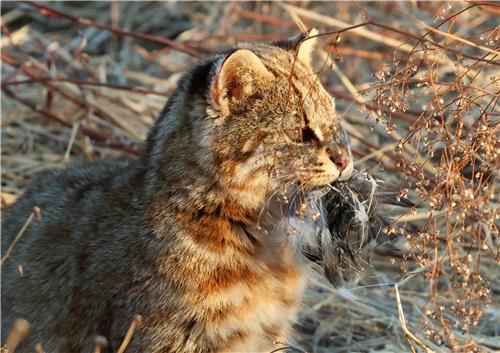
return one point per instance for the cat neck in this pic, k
(185, 186)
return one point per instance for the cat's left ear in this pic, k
(238, 77)
(305, 45)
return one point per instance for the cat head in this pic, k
(255, 119)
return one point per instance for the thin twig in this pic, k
(182, 47)
(16, 335)
(100, 343)
(71, 141)
(132, 89)
(136, 322)
(39, 348)
(34, 214)
(408, 334)
(458, 38)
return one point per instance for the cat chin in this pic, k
(319, 181)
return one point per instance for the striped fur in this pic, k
(194, 235)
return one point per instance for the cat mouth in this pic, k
(327, 178)
(346, 173)
(318, 182)
(316, 178)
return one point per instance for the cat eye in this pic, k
(308, 136)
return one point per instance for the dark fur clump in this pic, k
(356, 213)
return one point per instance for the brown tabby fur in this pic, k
(185, 236)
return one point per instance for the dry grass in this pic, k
(417, 84)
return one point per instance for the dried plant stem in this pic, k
(136, 322)
(288, 348)
(458, 38)
(426, 164)
(409, 118)
(275, 21)
(47, 11)
(100, 343)
(35, 213)
(16, 335)
(408, 334)
(39, 348)
(375, 154)
(71, 141)
(397, 44)
(346, 82)
(340, 24)
(419, 216)
(132, 89)
(97, 136)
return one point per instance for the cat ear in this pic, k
(238, 77)
(308, 46)
(305, 44)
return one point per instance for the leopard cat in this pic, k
(189, 235)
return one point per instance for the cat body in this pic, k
(97, 262)
(191, 236)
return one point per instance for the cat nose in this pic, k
(341, 161)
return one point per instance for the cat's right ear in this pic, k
(305, 45)
(238, 76)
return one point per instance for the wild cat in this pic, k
(189, 235)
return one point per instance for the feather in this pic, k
(355, 211)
